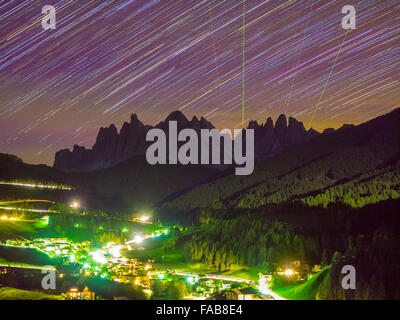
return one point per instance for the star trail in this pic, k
(109, 59)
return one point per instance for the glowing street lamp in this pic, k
(74, 205)
(138, 239)
(190, 279)
(289, 272)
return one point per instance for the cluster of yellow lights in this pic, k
(8, 218)
(115, 251)
(211, 276)
(289, 272)
(190, 297)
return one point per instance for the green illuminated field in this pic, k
(17, 294)
(23, 257)
(305, 291)
(15, 229)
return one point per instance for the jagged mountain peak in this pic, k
(134, 117)
(198, 124)
(269, 123)
(346, 126)
(328, 130)
(281, 123)
(177, 116)
(112, 147)
(206, 124)
(253, 124)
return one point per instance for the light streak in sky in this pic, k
(327, 80)
(329, 76)
(301, 44)
(244, 13)
(108, 60)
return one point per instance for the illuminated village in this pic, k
(107, 263)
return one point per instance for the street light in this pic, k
(138, 239)
(288, 272)
(75, 205)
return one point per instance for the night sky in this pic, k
(109, 59)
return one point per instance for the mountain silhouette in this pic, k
(112, 147)
(354, 164)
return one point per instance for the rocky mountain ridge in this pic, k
(112, 147)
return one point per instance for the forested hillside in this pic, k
(354, 165)
(332, 201)
(367, 238)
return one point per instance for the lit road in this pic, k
(264, 290)
(26, 209)
(20, 266)
(39, 186)
(27, 200)
(2, 219)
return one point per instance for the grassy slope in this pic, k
(7, 293)
(16, 229)
(24, 256)
(305, 291)
(6, 262)
(175, 259)
(250, 273)
(169, 259)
